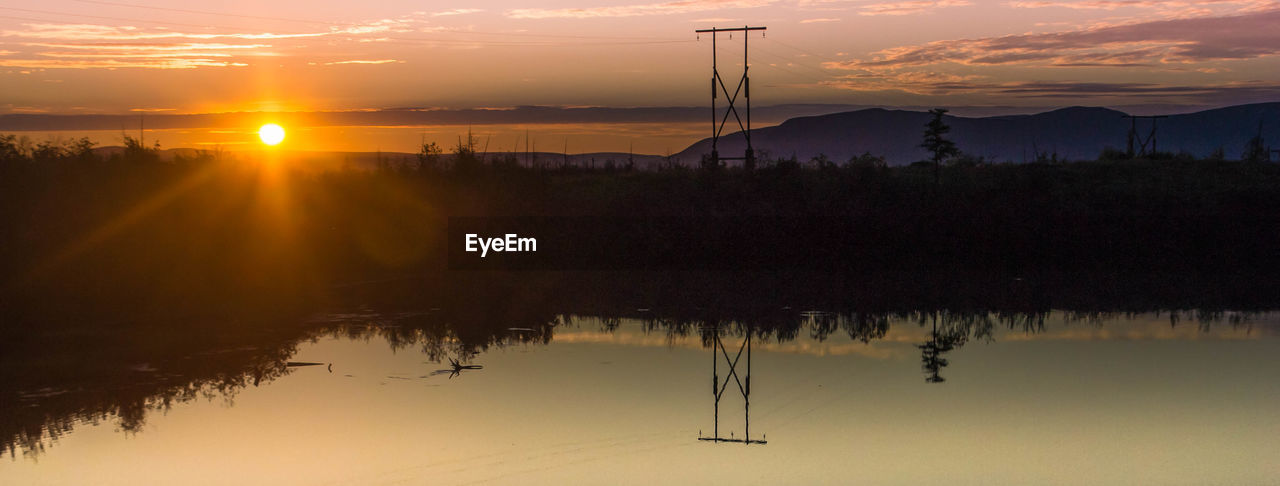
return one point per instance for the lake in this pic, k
(922, 397)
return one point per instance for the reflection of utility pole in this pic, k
(1133, 134)
(718, 388)
(744, 87)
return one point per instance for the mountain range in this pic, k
(1076, 133)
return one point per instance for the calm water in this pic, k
(1061, 400)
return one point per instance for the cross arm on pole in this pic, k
(734, 29)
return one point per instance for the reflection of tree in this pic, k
(931, 351)
(866, 327)
(57, 386)
(59, 394)
(53, 397)
(952, 329)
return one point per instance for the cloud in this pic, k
(1155, 9)
(1192, 40)
(184, 46)
(1046, 89)
(910, 7)
(635, 10)
(90, 32)
(89, 46)
(362, 61)
(28, 109)
(814, 21)
(915, 82)
(120, 55)
(117, 64)
(457, 11)
(941, 84)
(1118, 4)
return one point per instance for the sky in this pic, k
(91, 56)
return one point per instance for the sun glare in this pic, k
(271, 134)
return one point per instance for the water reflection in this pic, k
(931, 351)
(456, 369)
(718, 386)
(43, 409)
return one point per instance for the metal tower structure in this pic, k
(718, 86)
(1142, 142)
(718, 387)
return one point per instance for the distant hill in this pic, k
(1076, 133)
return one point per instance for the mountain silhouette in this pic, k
(1075, 133)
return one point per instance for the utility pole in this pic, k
(1133, 134)
(718, 86)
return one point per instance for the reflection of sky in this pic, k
(91, 56)
(1125, 403)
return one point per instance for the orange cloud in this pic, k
(117, 64)
(457, 11)
(1166, 41)
(94, 46)
(1118, 4)
(910, 7)
(665, 8)
(362, 61)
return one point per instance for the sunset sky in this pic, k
(90, 56)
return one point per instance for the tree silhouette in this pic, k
(465, 159)
(1255, 150)
(935, 141)
(429, 157)
(135, 151)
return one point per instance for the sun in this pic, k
(271, 134)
